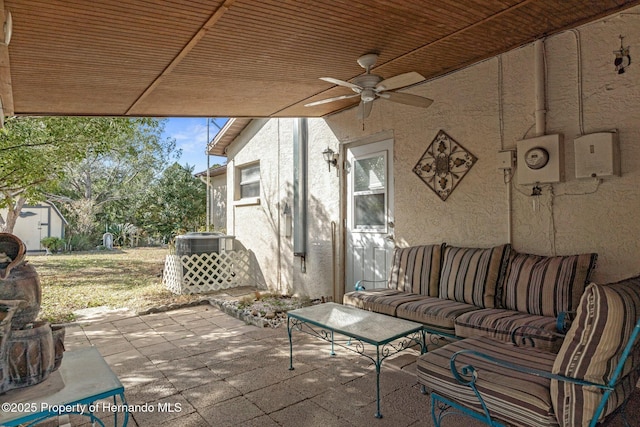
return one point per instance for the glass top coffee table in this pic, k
(389, 335)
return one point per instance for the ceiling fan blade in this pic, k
(341, 83)
(401, 80)
(364, 109)
(407, 99)
(337, 98)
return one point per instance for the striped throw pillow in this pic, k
(546, 286)
(472, 275)
(416, 269)
(592, 349)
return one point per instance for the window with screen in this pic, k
(370, 193)
(249, 179)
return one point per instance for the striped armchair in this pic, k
(593, 374)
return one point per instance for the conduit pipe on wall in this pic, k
(333, 260)
(539, 69)
(507, 173)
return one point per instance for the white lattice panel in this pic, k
(172, 274)
(193, 274)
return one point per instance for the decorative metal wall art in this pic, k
(444, 164)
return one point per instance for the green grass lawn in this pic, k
(128, 278)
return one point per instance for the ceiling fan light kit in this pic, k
(370, 87)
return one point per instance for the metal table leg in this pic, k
(289, 327)
(378, 365)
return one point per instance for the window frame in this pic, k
(371, 191)
(241, 184)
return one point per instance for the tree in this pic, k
(175, 202)
(33, 152)
(106, 185)
(37, 153)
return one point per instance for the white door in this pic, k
(369, 214)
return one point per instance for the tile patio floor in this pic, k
(223, 372)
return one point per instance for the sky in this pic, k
(191, 137)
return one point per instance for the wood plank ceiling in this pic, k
(250, 58)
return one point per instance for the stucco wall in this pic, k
(261, 226)
(489, 107)
(219, 202)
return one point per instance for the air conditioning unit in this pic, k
(201, 243)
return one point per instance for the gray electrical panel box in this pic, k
(597, 155)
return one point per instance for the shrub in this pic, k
(80, 242)
(124, 234)
(53, 244)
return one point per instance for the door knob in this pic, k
(391, 224)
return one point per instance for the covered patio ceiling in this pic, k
(250, 58)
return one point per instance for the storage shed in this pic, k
(37, 222)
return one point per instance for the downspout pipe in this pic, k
(539, 69)
(300, 141)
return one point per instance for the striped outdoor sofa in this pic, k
(470, 292)
(592, 375)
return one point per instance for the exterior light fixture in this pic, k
(331, 158)
(623, 59)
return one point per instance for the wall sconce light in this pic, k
(623, 59)
(331, 158)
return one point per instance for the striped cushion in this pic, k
(592, 349)
(498, 324)
(416, 269)
(512, 397)
(472, 275)
(437, 314)
(546, 286)
(380, 300)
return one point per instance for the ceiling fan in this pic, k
(369, 87)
